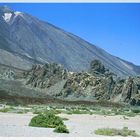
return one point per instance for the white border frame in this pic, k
(69, 138)
(70, 1)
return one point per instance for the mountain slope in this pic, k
(35, 41)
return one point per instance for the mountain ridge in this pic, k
(34, 41)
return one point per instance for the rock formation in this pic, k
(99, 84)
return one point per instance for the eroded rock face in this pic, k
(45, 76)
(8, 74)
(127, 90)
(60, 83)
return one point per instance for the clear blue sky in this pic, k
(113, 27)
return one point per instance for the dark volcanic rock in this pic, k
(60, 83)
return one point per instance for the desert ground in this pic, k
(82, 125)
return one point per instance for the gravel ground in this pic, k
(78, 125)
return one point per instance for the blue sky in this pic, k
(113, 27)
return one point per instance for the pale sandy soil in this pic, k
(78, 125)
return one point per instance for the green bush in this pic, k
(116, 132)
(46, 120)
(135, 110)
(49, 120)
(4, 110)
(61, 129)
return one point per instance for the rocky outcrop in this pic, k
(99, 84)
(8, 74)
(55, 81)
(96, 67)
(45, 76)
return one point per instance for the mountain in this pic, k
(26, 40)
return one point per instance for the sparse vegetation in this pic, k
(115, 111)
(107, 111)
(22, 111)
(47, 116)
(79, 109)
(14, 109)
(136, 110)
(76, 111)
(116, 132)
(53, 111)
(45, 109)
